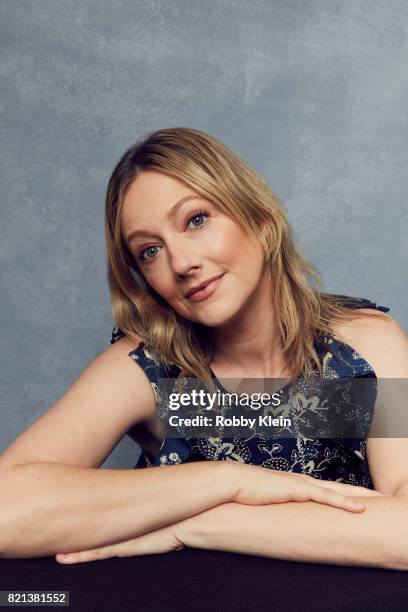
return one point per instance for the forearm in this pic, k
(46, 508)
(307, 532)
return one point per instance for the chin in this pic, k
(217, 315)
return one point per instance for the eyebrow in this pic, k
(170, 215)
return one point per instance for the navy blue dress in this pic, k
(336, 459)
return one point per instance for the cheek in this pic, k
(243, 251)
(159, 281)
(162, 281)
(217, 246)
(228, 244)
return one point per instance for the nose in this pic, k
(183, 257)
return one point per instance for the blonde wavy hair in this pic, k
(212, 170)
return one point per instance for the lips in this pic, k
(194, 290)
(205, 289)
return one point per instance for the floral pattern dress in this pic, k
(336, 459)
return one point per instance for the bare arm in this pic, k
(307, 532)
(47, 507)
(53, 497)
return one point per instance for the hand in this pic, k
(156, 542)
(258, 486)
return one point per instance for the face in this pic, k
(197, 242)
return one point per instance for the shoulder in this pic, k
(380, 340)
(125, 342)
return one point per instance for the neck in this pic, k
(251, 343)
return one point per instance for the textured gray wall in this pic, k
(312, 93)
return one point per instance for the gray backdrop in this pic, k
(312, 93)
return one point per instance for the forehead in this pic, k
(152, 192)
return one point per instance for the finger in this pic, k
(325, 496)
(341, 487)
(84, 556)
(66, 557)
(351, 490)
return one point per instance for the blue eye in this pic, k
(149, 249)
(197, 215)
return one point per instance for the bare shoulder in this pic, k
(379, 339)
(109, 397)
(125, 343)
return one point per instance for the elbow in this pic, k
(6, 539)
(395, 549)
(397, 559)
(20, 538)
(395, 536)
(10, 533)
(13, 521)
(15, 545)
(400, 564)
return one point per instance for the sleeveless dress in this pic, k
(336, 459)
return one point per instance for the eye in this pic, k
(148, 250)
(197, 215)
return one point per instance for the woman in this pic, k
(206, 282)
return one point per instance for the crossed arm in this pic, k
(313, 532)
(309, 531)
(295, 531)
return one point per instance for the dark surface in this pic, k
(207, 580)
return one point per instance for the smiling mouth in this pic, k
(208, 290)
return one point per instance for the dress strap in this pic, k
(117, 334)
(358, 302)
(346, 362)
